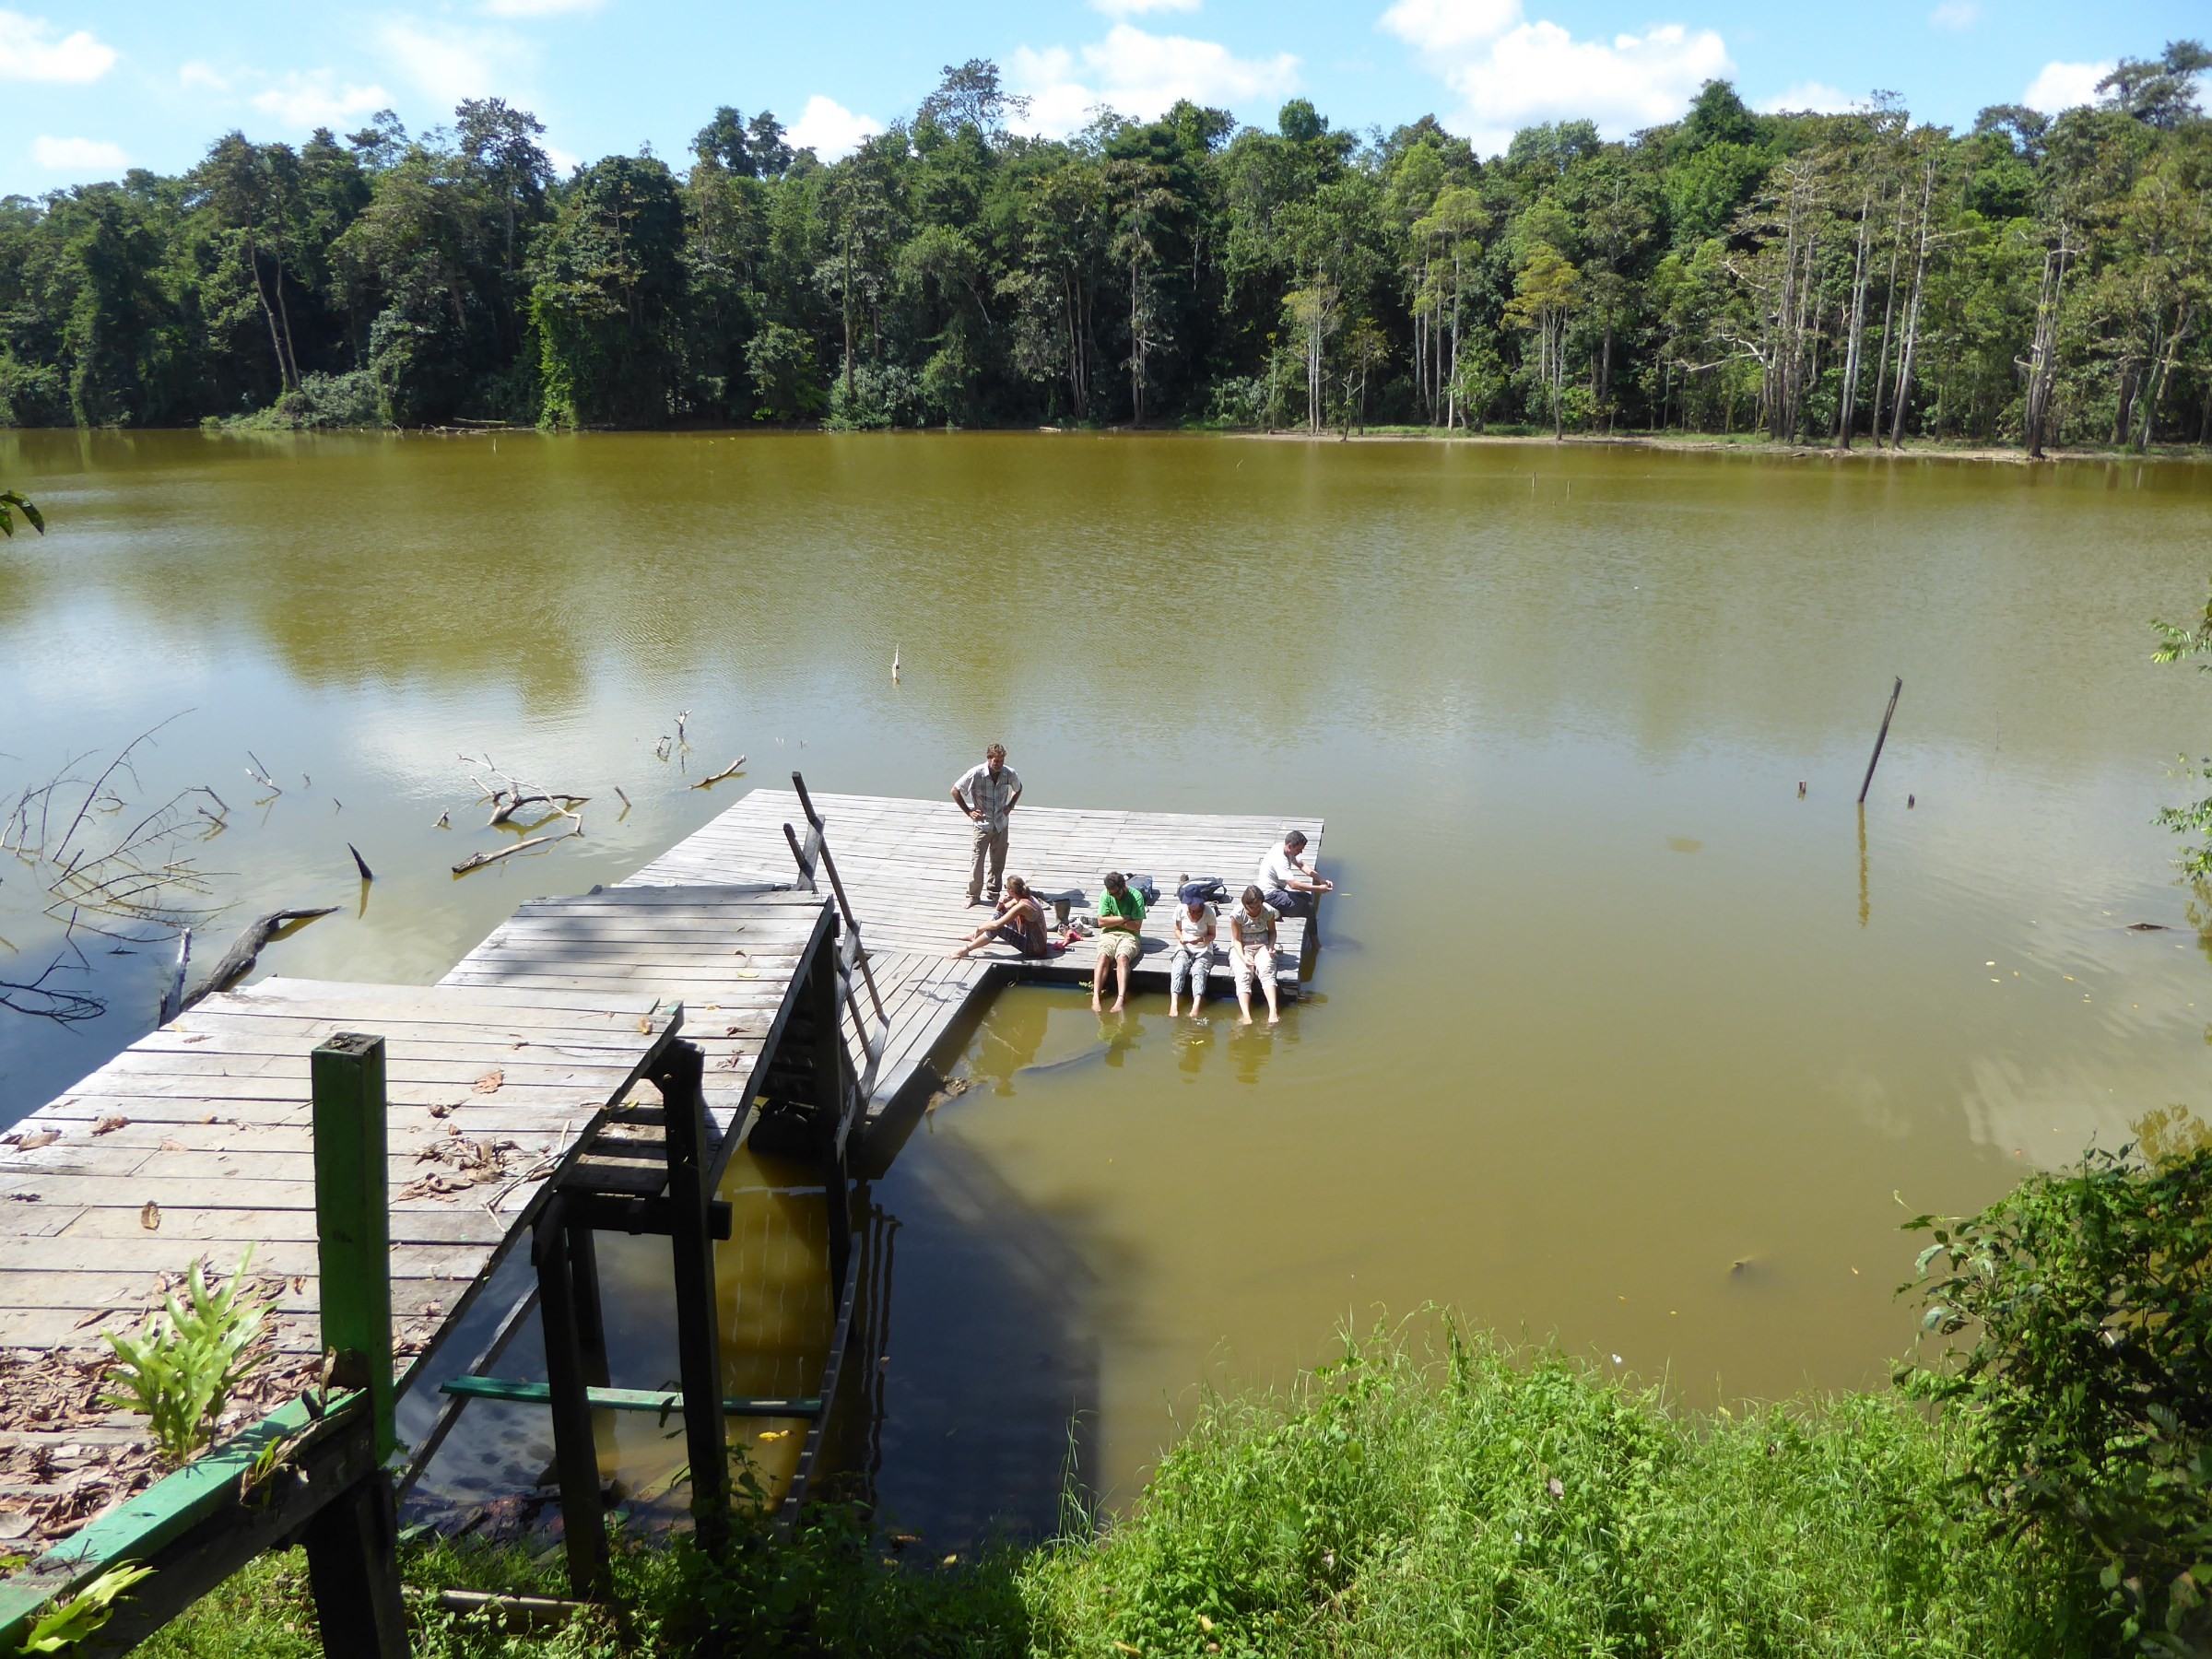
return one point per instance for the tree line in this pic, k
(1818, 278)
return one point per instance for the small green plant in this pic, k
(68, 1623)
(20, 502)
(180, 1368)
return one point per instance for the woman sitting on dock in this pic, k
(1251, 951)
(1194, 949)
(1018, 922)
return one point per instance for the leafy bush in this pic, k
(883, 394)
(1405, 1501)
(780, 361)
(2085, 1301)
(180, 1368)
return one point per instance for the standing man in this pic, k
(1290, 887)
(986, 795)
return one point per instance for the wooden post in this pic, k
(575, 1450)
(828, 991)
(1881, 737)
(353, 1223)
(591, 1316)
(353, 1570)
(698, 1323)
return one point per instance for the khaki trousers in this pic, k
(990, 845)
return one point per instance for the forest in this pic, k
(1811, 278)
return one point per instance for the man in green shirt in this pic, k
(1121, 940)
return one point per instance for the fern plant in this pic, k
(180, 1366)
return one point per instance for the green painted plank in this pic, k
(667, 1400)
(135, 1529)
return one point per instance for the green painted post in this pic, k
(352, 1221)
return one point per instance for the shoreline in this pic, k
(1715, 443)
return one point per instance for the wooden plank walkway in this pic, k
(195, 1143)
(905, 863)
(727, 952)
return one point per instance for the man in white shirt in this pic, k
(1291, 888)
(985, 795)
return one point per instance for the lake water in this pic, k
(1620, 1043)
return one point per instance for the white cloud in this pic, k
(1816, 96)
(828, 129)
(1450, 24)
(540, 8)
(563, 163)
(1958, 16)
(78, 155)
(1137, 8)
(316, 100)
(2064, 86)
(203, 75)
(31, 51)
(451, 63)
(1140, 74)
(1511, 73)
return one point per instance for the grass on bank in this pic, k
(1436, 1496)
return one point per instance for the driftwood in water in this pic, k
(245, 951)
(560, 800)
(359, 863)
(477, 861)
(730, 771)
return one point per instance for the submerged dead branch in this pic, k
(730, 771)
(245, 951)
(477, 861)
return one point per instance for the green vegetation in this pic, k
(1814, 279)
(1405, 1500)
(2087, 1387)
(69, 1622)
(179, 1367)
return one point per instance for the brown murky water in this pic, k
(1620, 1042)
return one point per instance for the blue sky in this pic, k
(91, 89)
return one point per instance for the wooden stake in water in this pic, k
(1880, 737)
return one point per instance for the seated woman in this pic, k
(1194, 951)
(1251, 944)
(1018, 922)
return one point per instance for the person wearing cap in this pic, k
(1288, 886)
(986, 794)
(1193, 951)
(1252, 953)
(1121, 939)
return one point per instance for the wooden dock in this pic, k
(904, 863)
(526, 1099)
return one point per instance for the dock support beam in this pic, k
(575, 1448)
(698, 1323)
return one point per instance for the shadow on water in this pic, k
(963, 1401)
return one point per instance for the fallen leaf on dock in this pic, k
(108, 1125)
(97, 1314)
(169, 1145)
(443, 1109)
(150, 1217)
(36, 1138)
(489, 1082)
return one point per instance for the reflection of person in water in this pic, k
(1119, 1036)
(1191, 1048)
(1250, 1047)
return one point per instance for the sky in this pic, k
(86, 90)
